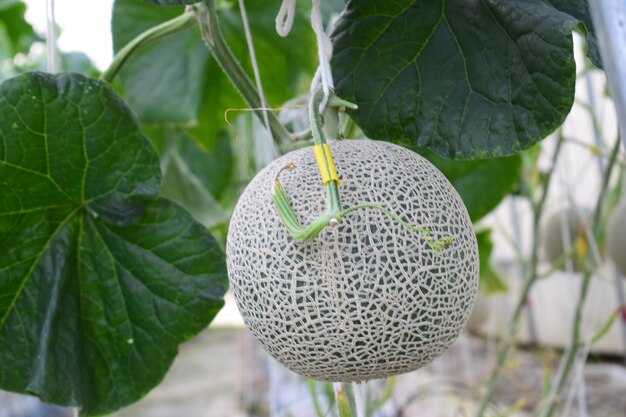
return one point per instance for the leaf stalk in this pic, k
(167, 28)
(208, 20)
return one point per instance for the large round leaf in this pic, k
(100, 279)
(467, 79)
(580, 10)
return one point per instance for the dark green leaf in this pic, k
(100, 279)
(331, 8)
(481, 184)
(490, 281)
(16, 35)
(466, 79)
(580, 10)
(176, 80)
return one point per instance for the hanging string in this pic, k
(285, 16)
(323, 75)
(51, 38)
(358, 399)
(325, 51)
(255, 65)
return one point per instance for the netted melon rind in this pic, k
(367, 299)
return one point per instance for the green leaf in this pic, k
(580, 10)
(172, 2)
(490, 281)
(100, 279)
(176, 80)
(481, 184)
(16, 35)
(196, 178)
(464, 79)
(166, 81)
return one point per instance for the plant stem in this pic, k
(208, 20)
(575, 341)
(178, 24)
(317, 129)
(333, 212)
(533, 276)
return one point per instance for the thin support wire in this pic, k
(255, 65)
(51, 38)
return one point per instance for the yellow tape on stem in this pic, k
(325, 164)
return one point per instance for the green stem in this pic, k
(208, 20)
(334, 212)
(315, 117)
(437, 245)
(575, 341)
(333, 204)
(534, 275)
(178, 24)
(560, 262)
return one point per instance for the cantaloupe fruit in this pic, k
(365, 299)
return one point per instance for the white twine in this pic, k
(284, 18)
(323, 75)
(325, 51)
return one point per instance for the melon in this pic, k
(367, 298)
